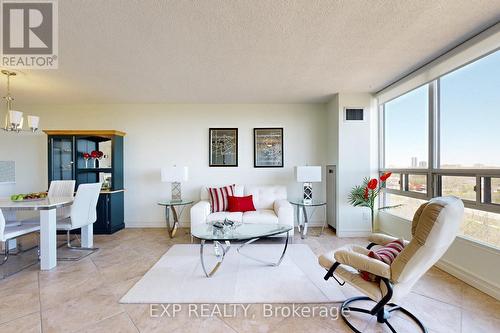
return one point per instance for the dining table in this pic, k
(47, 209)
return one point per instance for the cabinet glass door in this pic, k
(62, 158)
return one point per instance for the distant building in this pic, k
(422, 164)
(414, 162)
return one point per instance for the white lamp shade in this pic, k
(15, 117)
(174, 174)
(308, 174)
(33, 122)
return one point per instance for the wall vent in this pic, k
(354, 114)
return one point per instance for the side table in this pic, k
(301, 205)
(170, 207)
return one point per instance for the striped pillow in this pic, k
(387, 254)
(218, 197)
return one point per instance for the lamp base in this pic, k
(308, 193)
(176, 192)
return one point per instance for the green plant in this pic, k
(365, 195)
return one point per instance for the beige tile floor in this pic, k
(83, 296)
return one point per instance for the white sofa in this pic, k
(270, 202)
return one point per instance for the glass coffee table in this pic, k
(233, 232)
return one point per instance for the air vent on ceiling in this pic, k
(354, 114)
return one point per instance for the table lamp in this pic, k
(308, 175)
(175, 175)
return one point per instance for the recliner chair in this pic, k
(434, 228)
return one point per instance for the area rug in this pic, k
(178, 277)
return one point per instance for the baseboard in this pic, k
(469, 278)
(353, 233)
(187, 224)
(153, 224)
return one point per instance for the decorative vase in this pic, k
(94, 161)
(86, 162)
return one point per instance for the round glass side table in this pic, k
(301, 205)
(170, 208)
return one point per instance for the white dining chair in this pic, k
(83, 212)
(8, 233)
(62, 188)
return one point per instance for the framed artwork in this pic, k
(7, 172)
(268, 147)
(223, 147)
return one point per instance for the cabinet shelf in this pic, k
(81, 170)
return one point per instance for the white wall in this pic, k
(351, 149)
(163, 135)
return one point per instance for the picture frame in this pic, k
(268, 147)
(223, 147)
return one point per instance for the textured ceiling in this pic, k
(242, 51)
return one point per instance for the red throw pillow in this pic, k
(240, 204)
(387, 254)
(218, 197)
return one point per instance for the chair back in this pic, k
(2, 224)
(434, 228)
(62, 188)
(84, 208)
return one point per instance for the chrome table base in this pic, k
(303, 227)
(225, 249)
(172, 230)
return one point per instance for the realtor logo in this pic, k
(29, 34)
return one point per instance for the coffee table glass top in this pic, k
(175, 202)
(300, 202)
(238, 232)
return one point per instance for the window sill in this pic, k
(461, 238)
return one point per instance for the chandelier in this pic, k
(14, 119)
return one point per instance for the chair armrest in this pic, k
(383, 239)
(199, 212)
(363, 263)
(284, 210)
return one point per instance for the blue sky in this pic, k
(470, 118)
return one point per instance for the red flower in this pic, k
(86, 156)
(366, 193)
(94, 154)
(384, 177)
(372, 184)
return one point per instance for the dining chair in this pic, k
(8, 233)
(62, 188)
(82, 213)
(57, 188)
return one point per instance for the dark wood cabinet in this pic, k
(66, 161)
(109, 213)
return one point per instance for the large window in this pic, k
(470, 115)
(406, 128)
(461, 154)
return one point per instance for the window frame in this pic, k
(433, 170)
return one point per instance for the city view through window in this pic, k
(468, 123)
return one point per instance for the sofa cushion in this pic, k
(260, 216)
(219, 197)
(264, 196)
(204, 195)
(240, 204)
(221, 216)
